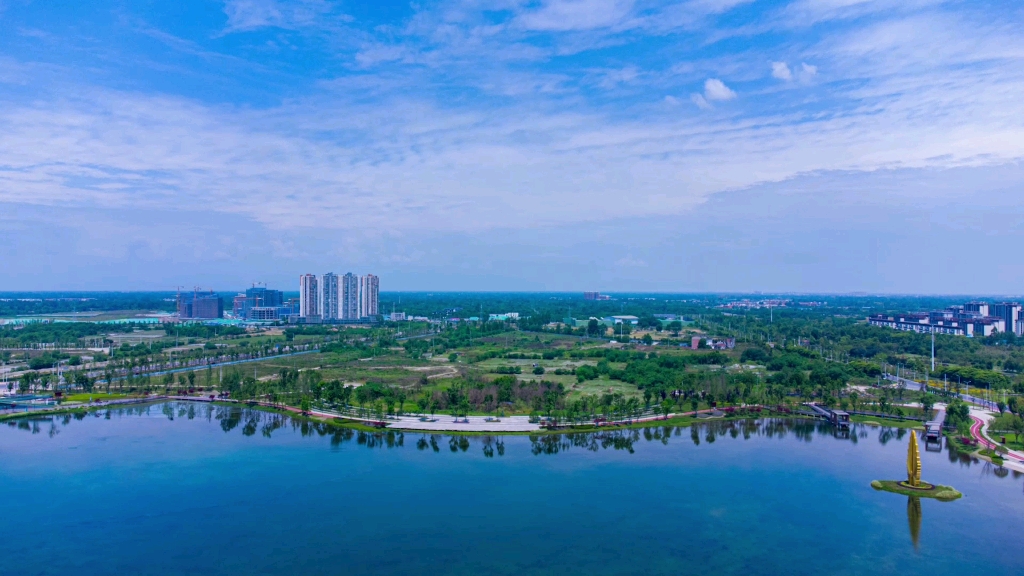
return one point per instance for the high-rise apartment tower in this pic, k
(349, 297)
(329, 303)
(369, 286)
(309, 296)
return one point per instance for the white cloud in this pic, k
(247, 15)
(715, 89)
(781, 71)
(564, 15)
(468, 142)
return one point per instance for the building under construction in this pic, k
(200, 305)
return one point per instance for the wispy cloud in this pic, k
(246, 15)
(468, 116)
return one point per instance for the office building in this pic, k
(200, 306)
(349, 297)
(1010, 313)
(329, 303)
(309, 297)
(369, 288)
(979, 308)
(595, 296)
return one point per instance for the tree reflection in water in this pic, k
(252, 421)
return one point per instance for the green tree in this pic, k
(83, 381)
(958, 412)
(927, 403)
(666, 407)
(25, 382)
(304, 405)
(401, 396)
(1017, 425)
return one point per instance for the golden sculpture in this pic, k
(913, 486)
(913, 462)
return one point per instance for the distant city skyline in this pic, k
(556, 145)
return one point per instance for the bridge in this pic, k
(933, 428)
(838, 418)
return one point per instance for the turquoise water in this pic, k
(194, 489)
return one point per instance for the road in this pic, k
(914, 385)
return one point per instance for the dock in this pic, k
(838, 418)
(933, 428)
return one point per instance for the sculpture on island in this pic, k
(913, 480)
(913, 486)
(913, 462)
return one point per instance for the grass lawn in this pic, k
(602, 386)
(94, 396)
(886, 422)
(1013, 441)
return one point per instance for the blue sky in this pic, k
(722, 145)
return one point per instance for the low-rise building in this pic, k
(968, 320)
(622, 319)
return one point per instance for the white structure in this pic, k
(309, 297)
(349, 297)
(329, 297)
(369, 288)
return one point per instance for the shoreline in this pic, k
(684, 419)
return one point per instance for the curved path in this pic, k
(1013, 459)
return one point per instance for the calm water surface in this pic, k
(193, 489)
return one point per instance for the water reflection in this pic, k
(249, 421)
(914, 519)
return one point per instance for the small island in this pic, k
(913, 486)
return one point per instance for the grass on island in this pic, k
(937, 491)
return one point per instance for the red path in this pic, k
(976, 432)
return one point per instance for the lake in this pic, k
(185, 488)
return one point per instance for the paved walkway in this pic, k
(470, 424)
(1014, 460)
(920, 386)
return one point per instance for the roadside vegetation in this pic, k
(537, 365)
